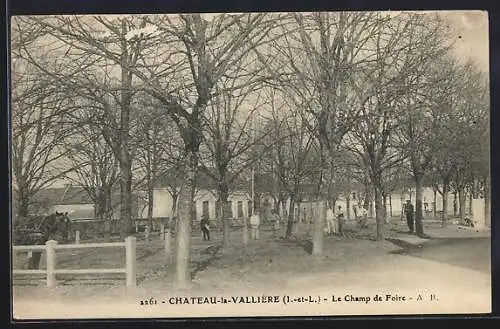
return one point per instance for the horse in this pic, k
(36, 230)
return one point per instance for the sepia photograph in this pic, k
(244, 164)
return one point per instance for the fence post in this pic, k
(136, 227)
(162, 231)
(50, 255)
(167, 244)
(77, 236)
(131, 266)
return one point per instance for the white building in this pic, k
(205, 199)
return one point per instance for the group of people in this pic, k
(274, 218)
(335, 219)
(254, 225)
(334, 222)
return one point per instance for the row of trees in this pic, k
(327, 99)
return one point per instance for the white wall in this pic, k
(69, 208)
(199, 198)
(162, 205)
(397, 200)
(236, 197)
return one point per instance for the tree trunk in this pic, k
(384, 208)
(368, 198)
(455, 204)
(434, 203)
(444, 214)
(402, 200)
(108, 213)
(319, 225)
(379, 212)
(289, 224)
(348, 205)
(150, 204)
(472, 193)
(487, 202)
(125, 160)
(461, 204)
(22, 205)
(419, 227)
(184, 220)
(175, 199)
(390, 204)
(223, 212)
(125, 196)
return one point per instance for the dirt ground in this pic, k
(265, 264)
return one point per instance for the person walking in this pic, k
(330, 221)
(254, 224)
(205, 228)
(409, 216)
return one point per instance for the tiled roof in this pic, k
(68, 195)
(63, 195)
(203, 181)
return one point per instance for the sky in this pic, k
(471, 30)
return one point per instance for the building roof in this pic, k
(63, 195)
(204, 180)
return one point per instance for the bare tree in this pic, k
(319, 55)
(419, 118)
(99, 55)
(157, 152)
(471, 142)
(378, 90)
(95, 167)
(229, 136)
(207, 49)
(290, 149)
(38, 127)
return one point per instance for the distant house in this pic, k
(205, 198)
(75, 201)
(267, 189)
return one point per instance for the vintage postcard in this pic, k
(250, 164)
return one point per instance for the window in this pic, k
(205, 209)
(229, 209)
(240, 209)
(250, 208)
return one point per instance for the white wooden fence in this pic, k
(51, 246)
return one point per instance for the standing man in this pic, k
(205, 228)
(330, 221)
(409, 215)
(254, 224)
(340, 219)
(355, 209)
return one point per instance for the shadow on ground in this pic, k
(203, 264)
(470, 253)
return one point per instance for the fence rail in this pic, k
(51, 246)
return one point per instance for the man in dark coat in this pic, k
(205, 228)
(409, 215)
